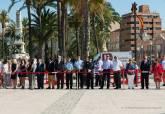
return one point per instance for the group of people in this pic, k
(89, 73)
(147, 67)
(11, 70)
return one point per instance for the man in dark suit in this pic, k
(88, 69)
(40, 77)
(50, 69)
(145, 70)
(59, 67)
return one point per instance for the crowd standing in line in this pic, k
(89, 73)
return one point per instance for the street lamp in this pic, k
(134, 9)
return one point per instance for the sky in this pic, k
(121, 6)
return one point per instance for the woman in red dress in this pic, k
(157, 70)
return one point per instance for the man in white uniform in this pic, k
(116, 66)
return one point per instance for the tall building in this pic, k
(152, 29)
(113, 43)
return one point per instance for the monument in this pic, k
(19, 45)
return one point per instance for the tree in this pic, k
(44, 30)
(3, 20)
(96, 10)
(75, 22)
(103, 15)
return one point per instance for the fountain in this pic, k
(19, 45)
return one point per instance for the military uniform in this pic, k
(69, 78)
(59, 67)
(40, 77)
(79, 67)
(107, 67)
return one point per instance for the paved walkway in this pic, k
(82, 101)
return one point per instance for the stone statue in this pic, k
(18, 43)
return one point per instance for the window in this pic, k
(157, 28)
(145, 22)
(132, 22)
(150, 22)
(158, 23)
(145, 16)
(137, 28)
(155, 16)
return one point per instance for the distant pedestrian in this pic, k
(40, 75)
(98, 68)
(6, 74)
(117, 66)
(145, 70)
(163, 65)
(79, 64)
(59, 68)
(22, 74)
(13, 73)
(69, 69)
(130, 70)
(107, 68)
(1, 73)
(157, 70)
(136, 73)
(89, 74)
(51, 76)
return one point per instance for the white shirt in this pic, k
(79, 64)
(100, 65)
(34, 66)
(107, 64)
(6, 69)
(116, 66)
(163, 64)
(1, 67)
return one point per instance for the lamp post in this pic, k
(134, 9)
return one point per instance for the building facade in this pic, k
(152, 30)
(113, 44)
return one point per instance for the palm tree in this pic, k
(40, 8)
(96, 11)
(3, 20)
(44, 30)
(85, 8)
(75, 22)
(11, 30)
(26, 4)
(10, 35)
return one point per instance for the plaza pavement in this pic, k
(83, 101)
